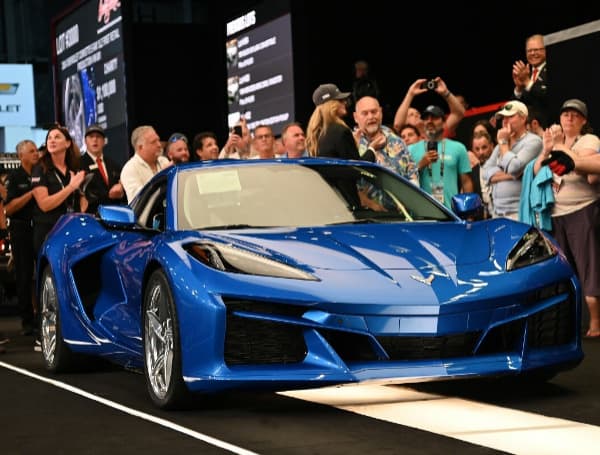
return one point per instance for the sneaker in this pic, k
(37, 345)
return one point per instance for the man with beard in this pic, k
(443, 163)
(379, 143)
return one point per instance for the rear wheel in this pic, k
(162, 351)
(57, 355)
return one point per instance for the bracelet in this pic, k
(447, 94)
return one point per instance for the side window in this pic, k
(158, 214)
(153, 211)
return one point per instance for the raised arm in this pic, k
(402, 112)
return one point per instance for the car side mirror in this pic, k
(117, 215)
(468, 206)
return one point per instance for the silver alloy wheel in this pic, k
(158, 342)
(49, 304)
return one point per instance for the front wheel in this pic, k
(162, 351)
(58, 357)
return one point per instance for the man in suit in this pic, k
(104, 186)
(531, 79)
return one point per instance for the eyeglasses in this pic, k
(263, 136)
(536, 49)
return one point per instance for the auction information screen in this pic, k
(90, 73)
(260, 84)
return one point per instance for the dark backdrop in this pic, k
(178, 78)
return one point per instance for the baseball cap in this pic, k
(576, 105)
(433, 111)
(326, 92)
(95, 129)
(513, 107)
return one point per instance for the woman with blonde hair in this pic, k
(327, 134)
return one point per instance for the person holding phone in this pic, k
(444, 167)
(238, 143)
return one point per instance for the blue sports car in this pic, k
(300, 273)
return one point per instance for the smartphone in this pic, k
(432, 145)
(237, 129)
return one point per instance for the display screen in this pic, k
(89, 73)
(260, 83)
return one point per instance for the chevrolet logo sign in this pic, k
(8, 88)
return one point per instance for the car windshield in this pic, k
(298, 195)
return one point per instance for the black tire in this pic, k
(58, 358)
(162, 349)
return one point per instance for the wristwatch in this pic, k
(503, 142)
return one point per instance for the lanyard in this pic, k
(442, 163)
(70, 205)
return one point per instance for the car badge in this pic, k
(427, 280)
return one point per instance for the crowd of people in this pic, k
(505, 161)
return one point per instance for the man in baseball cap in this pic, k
(504, 168)
(433, 111)
(103, 186)
(326, 92)
(513, 107)
(95, 129)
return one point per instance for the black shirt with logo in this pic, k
(55, 181)
(17, 184)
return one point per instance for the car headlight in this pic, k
(532, 248)
(231, 259)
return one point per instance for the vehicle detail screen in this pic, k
(90, 73)
(260, 84)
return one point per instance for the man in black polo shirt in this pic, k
(19, 203)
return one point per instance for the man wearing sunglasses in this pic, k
(177, 148)
(503, 170)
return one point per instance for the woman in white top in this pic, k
(576, 211)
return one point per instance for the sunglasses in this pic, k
(178, 137)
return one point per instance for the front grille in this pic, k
(350, 347)
(554, 326)
(254, 342)
(257, 306)
(427, 348)
(503, 338)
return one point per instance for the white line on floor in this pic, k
(142, 415)
(496, 427)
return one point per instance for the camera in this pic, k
(237, 129)
(431, 84)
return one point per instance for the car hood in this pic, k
(414, 246)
